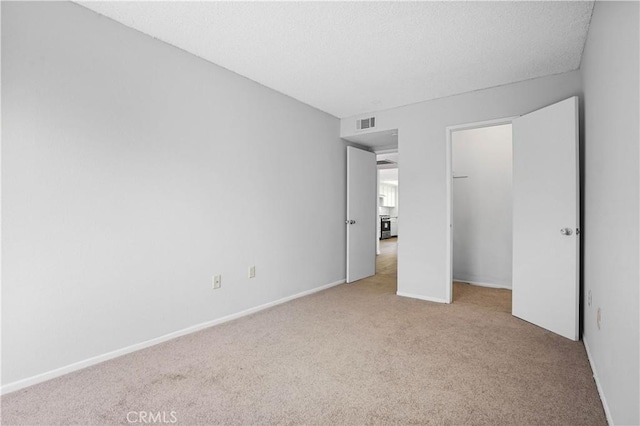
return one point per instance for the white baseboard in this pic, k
(418, 296)
(39, 378)
(607, 412)
(481, 284)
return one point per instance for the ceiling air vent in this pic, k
(366, 123)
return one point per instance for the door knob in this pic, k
(566, 231)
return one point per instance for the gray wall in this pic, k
(611, 73)
(482, 216)
(131, 173)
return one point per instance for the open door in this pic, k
(361, 213)
(546, 238)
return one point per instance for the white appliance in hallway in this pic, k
(394, 226)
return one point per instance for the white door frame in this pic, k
(449, 193)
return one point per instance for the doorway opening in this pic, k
(545, 216)
(479, 167)
(363, 199)
(545, 213)
(388, 212)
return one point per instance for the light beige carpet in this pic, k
(354, 354)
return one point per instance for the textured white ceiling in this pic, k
(348, 58)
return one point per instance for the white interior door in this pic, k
(362, 202)
(546, 238)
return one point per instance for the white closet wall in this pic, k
(482, 238)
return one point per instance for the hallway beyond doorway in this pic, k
(387, 260)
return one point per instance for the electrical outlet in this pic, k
(252, 271)
(217, 281)
(599, 318)
(589, 298)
